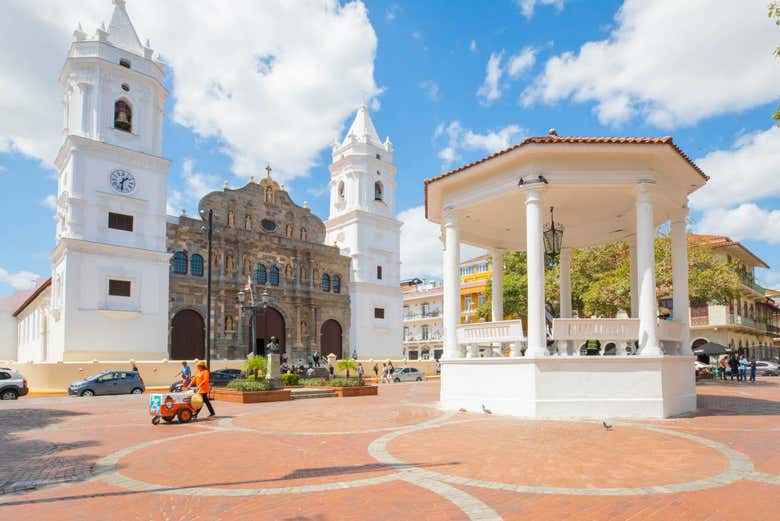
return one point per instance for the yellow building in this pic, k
(475, 275)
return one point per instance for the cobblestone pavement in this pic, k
(392, 456)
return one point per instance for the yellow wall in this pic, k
(475, 290)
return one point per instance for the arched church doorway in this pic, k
(188, 336)
(330, 339)
(268, 322)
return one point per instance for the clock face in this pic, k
(122, 181)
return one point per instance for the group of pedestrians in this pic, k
(737, 367)
(387, 372)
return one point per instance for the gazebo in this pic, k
(602, 190)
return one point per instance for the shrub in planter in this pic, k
(290, 379)
(346, 382)
(347, 365)
(313, 382)
(256, 365)
(251, 385)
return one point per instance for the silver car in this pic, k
(12, 384)
(767, 368)
(109, 382)
(408, 374)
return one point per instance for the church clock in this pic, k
(122, 181)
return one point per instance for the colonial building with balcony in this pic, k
(751, 321)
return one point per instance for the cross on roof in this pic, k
(268, 170)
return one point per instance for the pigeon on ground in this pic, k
(462, 410)
(606, 425)
(486, 410)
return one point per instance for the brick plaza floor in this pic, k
(392, 456)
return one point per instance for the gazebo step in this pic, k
(304, 394)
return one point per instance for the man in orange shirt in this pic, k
(201, 382)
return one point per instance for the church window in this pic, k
(303, 234)
(288, 231)
(180, 262)
(124, 62)
(126, 87)
(341, 190)
(248, 222)
(123, 116)
(231, 220)
(378, 191)
(260, 275)
(379, 312)
(196, 265)
(118, 221)
(325, 282)
(336, 284)
(273, 276)
(288, 271)
(379, 272)
(268, 225)
(119, 288)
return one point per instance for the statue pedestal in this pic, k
(274, 370)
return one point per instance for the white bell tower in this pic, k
(362, 224)
(110, 263)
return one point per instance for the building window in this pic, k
(273, 276)
(124, 63)
(123, 116)
(413, 355)
(481, 299)
(336, 284)
(119, 221)
(379, 312)
(325, 282)
(304, 236)
(119, 288)
(341, 190)
(378, 191)
(196, 265)
(268, 225)
(406, 334)
(379, 272)
(260, 275)
(180, 262)
(425, 332)
(378, 156)
(288, 232)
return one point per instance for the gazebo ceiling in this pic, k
(591, 183)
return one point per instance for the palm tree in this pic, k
(346, 365)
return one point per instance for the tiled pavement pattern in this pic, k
(392, 456)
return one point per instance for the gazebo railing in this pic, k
(472, 336)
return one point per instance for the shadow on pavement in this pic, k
(713, 405)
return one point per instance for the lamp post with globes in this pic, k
(210, 231)
(252, 308)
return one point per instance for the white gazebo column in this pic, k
(497, 295)
(537, 340)
(645, 264)
(680, 298)
(633, 312)
(451, 288)
(564, 283)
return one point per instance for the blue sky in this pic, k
(449, 81)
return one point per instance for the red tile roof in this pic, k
(555, 139)
(720, 241)
(46, 283)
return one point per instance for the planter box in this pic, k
(360, 390)
(231, 395)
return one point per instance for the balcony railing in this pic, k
(421, 316)
(748, 281)
(419, 338)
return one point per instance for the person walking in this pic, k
(722, 365)
(360, 371)
(743, 366)
(734, 367)
(330, 371)
(316, 356)
(376, 372)
(753, 368)
(202, 384)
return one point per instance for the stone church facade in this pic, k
(259, 234)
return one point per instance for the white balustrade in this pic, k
(671, 330)
(490, 333)
(613, 329)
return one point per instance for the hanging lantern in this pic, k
(553, 237)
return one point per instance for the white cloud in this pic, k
(50, 202)
(289, 73)
(421, 248)
(769, 279)
(194, 186)
(527, 6)
(521, 62)
(746, 221)
(490, 89)
(431, 88)
(19, 280)
(459, 138)
(674, 63)
(473, 46)
(392, 12)
(749, 171)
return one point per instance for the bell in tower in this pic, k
(123, 116)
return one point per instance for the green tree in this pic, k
(256, 365)
(774, 13)
(346, 365)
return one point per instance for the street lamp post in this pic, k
(210, 230)
(252, 309)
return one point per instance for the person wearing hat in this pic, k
(201, 382)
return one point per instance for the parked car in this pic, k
(109, 382)
(408, 374)
(12, 384)
(767, 368)
(224, 376)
